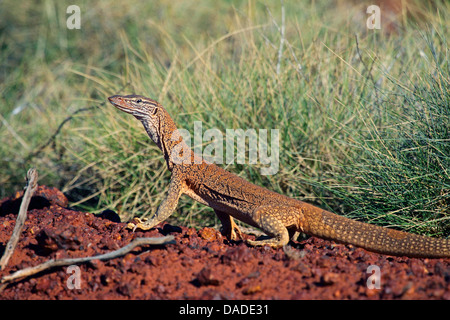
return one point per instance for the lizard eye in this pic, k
(138, 101)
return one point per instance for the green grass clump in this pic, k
(402, 174)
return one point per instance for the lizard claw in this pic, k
(233, 233)
(237, 233)
(139, 224)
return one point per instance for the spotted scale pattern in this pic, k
(233, 197)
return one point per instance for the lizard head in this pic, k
(148, 111)
(139, 106)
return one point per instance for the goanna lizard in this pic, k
(231, 196)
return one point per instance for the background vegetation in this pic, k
(363, 114)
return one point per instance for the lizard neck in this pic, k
(164, 133)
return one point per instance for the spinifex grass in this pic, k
(402, 174)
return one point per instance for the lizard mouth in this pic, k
(119, 103)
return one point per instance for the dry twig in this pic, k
(20, 274)
(282, 31)
(21, 217)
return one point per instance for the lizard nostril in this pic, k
(115, 98)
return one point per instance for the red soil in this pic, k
(200, 265)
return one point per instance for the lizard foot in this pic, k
(231, 232)
(137, 223)
(272, 242)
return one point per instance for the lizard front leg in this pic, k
(165, 209)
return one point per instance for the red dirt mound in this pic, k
(200, 265)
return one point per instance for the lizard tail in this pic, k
(331, 226)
